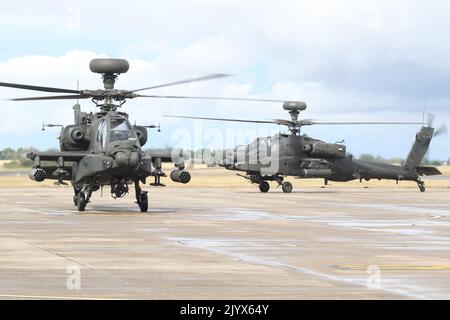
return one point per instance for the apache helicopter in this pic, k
(103, 148)
(302, 156)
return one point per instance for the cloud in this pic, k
(361, 60)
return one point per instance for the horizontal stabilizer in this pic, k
(428, 171)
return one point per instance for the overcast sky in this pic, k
(348, 60)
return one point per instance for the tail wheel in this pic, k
(421, 188)
(287, 187)
(81, 201)
(264, 186)
(143, 202)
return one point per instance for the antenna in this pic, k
(423, 111)
(78, 75)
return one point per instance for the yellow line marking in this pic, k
(398, 267)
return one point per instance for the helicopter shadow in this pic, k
(103, 210)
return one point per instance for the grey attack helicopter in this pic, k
(103, 148)
(302, 156)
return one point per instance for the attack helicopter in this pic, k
(104, 148)
(276, 157)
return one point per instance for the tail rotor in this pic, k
(439, 131)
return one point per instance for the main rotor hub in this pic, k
(109, 69)
(294, 108)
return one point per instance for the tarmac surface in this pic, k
(352, 243)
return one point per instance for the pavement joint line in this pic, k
(255, 260)
(51, 252)
(72, 260)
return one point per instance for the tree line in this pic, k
(17, 157)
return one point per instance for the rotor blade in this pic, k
(207, 77)
(441, 130)
(209, 98)
(430, 119)
(72, 96)
(37, 88)
(357, 122)
(219, 119)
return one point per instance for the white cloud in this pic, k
(362, 60)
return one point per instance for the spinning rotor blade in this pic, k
(288, 122)
(430, 119)
(219, 119)
(207, 77)
(73, 96)
(441, 130)
(209, 98)
(37, 88)
(311, 122)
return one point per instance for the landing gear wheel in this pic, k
(75, 197)
(287, 187)
(143, 202)
(421, 188)
(81, 201)
(264, 186)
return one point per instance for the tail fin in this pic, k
(419, 148)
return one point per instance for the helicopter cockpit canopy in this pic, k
(121, 130)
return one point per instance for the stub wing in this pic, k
(54, 156)
(167, 156)
(178, 174)
(428, 171)
(54, 165)
(50, 170)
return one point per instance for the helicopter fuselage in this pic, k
(273, 158)
(104, 149)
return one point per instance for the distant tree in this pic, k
(398, 161)
(437, 163)
(425, 161)
(367, 156)
(8, 154)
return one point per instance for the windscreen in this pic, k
(121, 130)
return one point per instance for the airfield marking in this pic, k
(398, 267)
(55, 297)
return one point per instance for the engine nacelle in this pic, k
(37, 174)
(180, 176)
(141, 133)
(325, 149)
(74, 138)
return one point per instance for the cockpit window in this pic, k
(101, 134)
(121, 130)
